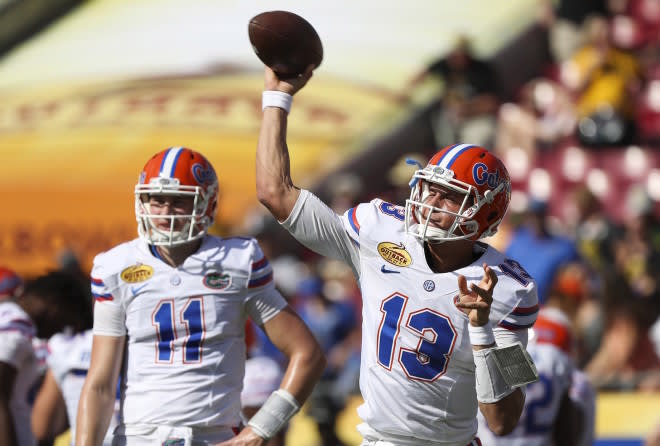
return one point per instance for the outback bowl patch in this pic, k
(394, 253)
(137, 273)
(217, 281)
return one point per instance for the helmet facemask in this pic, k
(195, 224)
(463, 225)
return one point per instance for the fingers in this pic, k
(485, 295)
(476, 305)
(462, 285)
(491, 274)
(489, 280)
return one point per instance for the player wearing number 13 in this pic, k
(445, 316)
(169, 317)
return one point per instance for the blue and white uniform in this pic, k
(17, 332)
(417, 368)
(185, 333)
(69, 360)
(542, 402)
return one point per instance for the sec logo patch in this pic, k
(394, 253)
(137, 273)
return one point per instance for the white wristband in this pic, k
(274, 414)
(279, 99)
(482, 335)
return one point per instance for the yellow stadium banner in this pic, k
(71, 154)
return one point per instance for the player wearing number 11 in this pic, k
(169, 318)
(445, 316)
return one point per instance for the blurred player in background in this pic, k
(174, 303)
(551, 416)
(583, 395)
(435, 301)
(11, 283)
(56, 404)
(46, 306)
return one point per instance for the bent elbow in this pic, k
(266, 195)
(319, 360)
(273, 198)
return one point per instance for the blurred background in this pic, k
(566, 92)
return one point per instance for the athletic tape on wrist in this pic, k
(274, 414)
(482, 335)
(279, 99)
(500, 370)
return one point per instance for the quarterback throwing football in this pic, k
(445, 317)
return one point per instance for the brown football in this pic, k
(285, 42)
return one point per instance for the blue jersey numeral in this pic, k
(428, 361)
(515, 270)
(192, 317)
(539, 395)
(393, 211)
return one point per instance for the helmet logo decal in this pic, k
(482, 176)
(203, 174)
(137, 273)
(394, 253)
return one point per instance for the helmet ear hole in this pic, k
(491, 216)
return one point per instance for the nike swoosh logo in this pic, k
(137, 289)
(388, 271)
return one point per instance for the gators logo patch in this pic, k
(217, 281)
(137, 273)
(394, 253)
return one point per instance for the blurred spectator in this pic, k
(595, 231)
(565, 19)
(331, 321)
(626, 358)
(11, 283)
(469, 100)
(603, 80)
(572, 292)
(544, 115)
(345, 191)
(637, 252)
(539, 251)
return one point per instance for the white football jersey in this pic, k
(17, 332)
(69, 362)
(185, 327)
(417, 369)
(583, 394)
(263, 376)
(542, 402)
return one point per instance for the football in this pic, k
(285, 42)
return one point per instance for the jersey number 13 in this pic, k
(436, 339)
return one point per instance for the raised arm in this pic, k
(275, 188)
(98, 395)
